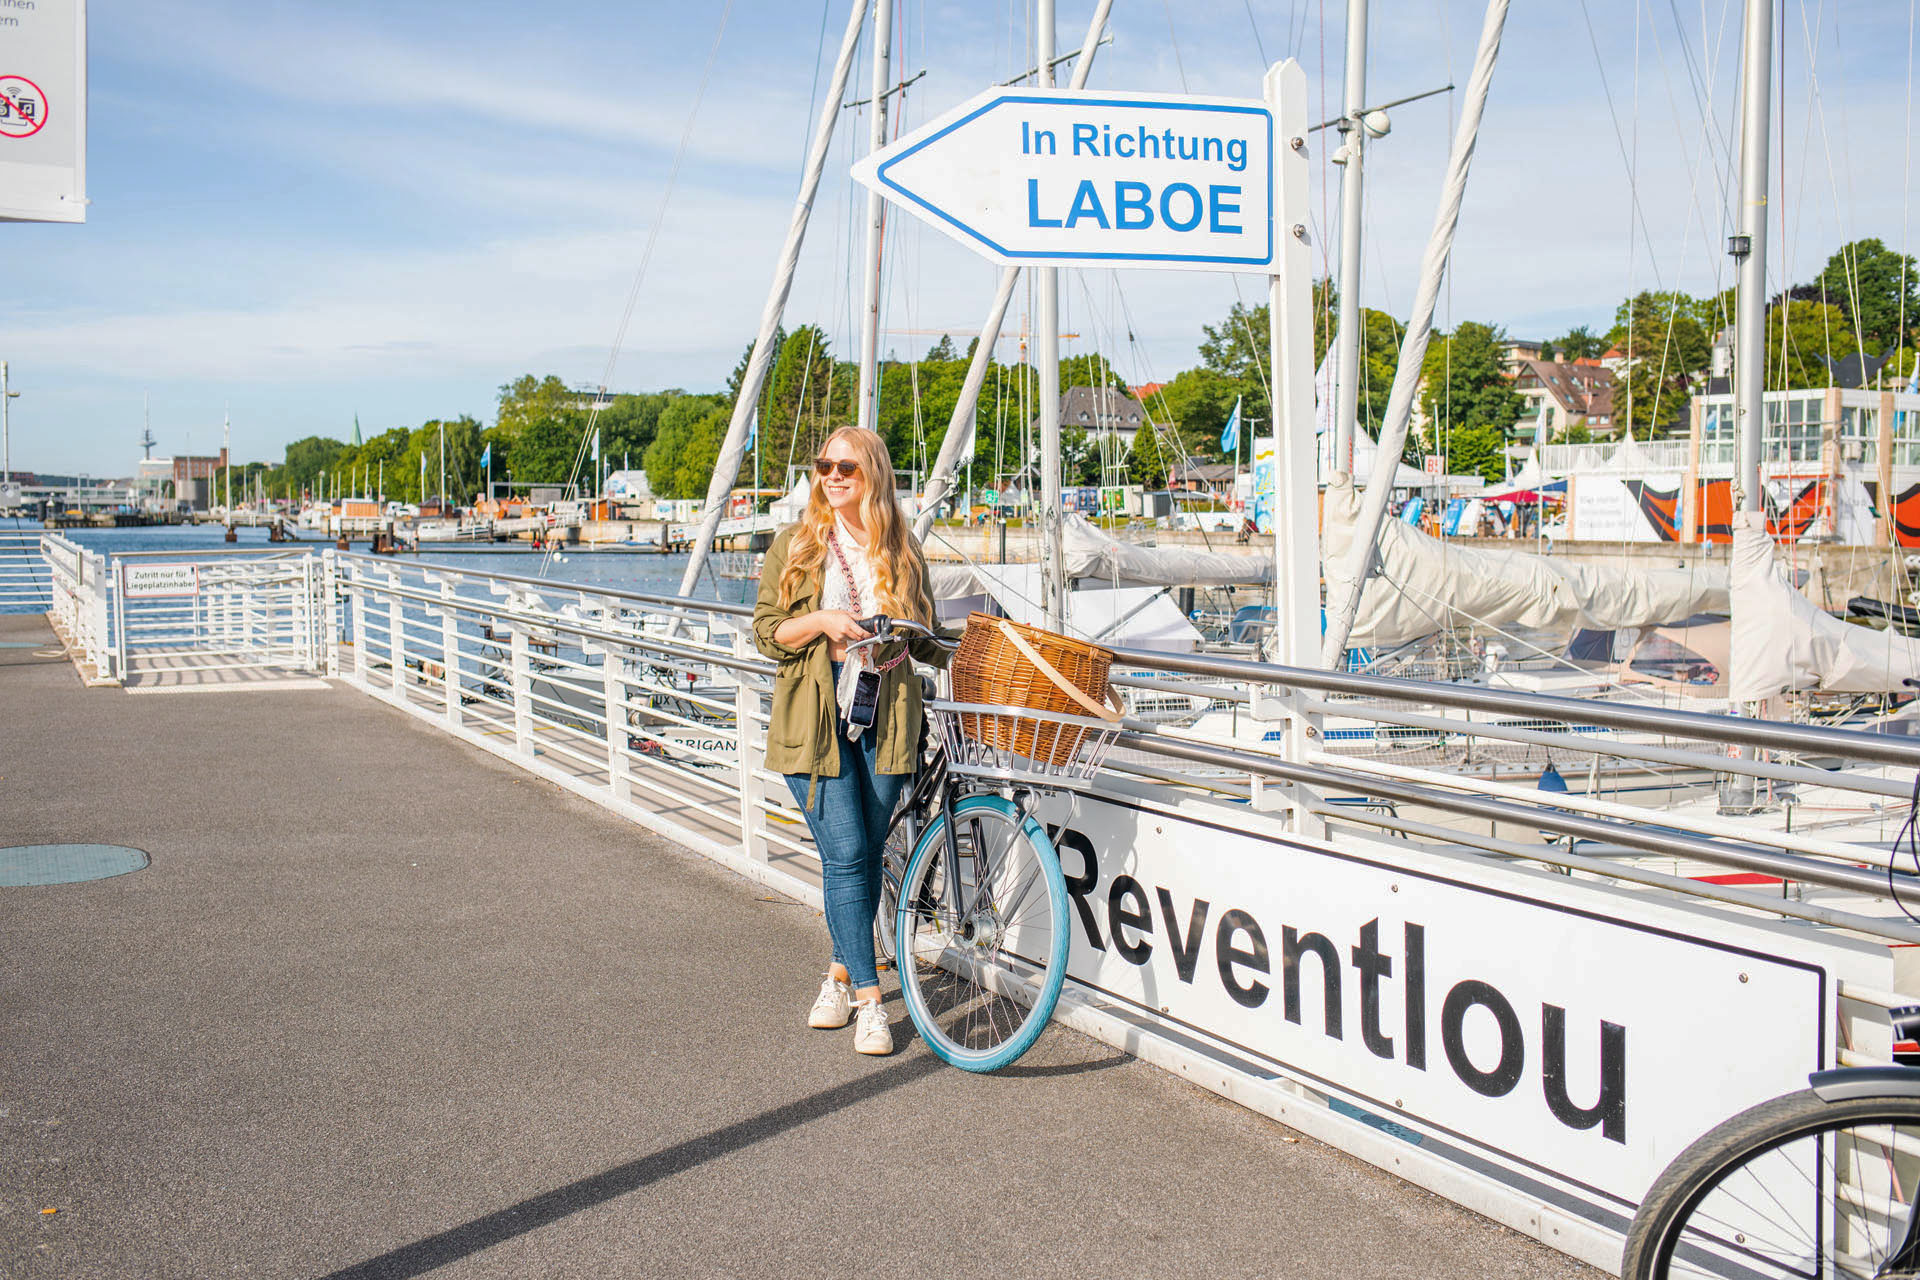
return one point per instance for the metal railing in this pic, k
(594, 681)
(80, 608)
(652, 705)
(1665, 769)
(176, 613)
(26, 584)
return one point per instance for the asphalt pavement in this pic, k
(384, 1006)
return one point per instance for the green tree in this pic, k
(1477, 449)
(686, 446)
(1196, 404)
(1466, 395)
(1150, 460)
(1380, 337)
(1579, 343)
(1799, 333)
(538, 429)
(307, 459)
(1878, 289)
(1667, 345)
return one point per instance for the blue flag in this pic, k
(753, 431)
(486, 454)
(1230, 437)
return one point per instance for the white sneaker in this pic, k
(871, 1033)
(832, 1006)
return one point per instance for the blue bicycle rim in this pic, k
(1056, 972)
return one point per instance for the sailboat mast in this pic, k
(959, 426)
(876, 222)
(1047, 279)
(226, 455)
(1749, 250)
(733, 448)
(1353, 145)
(443, 468)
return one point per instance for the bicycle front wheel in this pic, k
(1796, 1186)
(981, 939)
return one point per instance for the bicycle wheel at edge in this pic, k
(980, 990)
(1755, 1196)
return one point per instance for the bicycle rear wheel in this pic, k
(1796, 1186)
(981, 967)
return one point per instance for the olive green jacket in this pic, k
(800, 737)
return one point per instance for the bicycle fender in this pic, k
(1847, 1083)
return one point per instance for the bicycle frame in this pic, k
(933, 786)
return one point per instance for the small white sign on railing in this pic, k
(146, 581)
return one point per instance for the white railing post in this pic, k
(396, 637)
(520, 687)
(357, 597)
(613, 674)
(449, 655)
(750, 748)
(330, 616)
(118, 587)
(98, 623)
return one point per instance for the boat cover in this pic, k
(1136, 617)
(1421, 585)
(1782, 641)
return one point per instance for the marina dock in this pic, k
(384, 1004)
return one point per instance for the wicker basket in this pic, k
(990, 668)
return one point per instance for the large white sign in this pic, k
(1092, 179)
(144, 581)
(1511, 1028)
(1624, 510)
(43, 110)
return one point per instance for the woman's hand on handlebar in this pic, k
(839, 626)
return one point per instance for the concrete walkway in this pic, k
(383, 1006)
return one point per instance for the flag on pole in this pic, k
(1230, 437)
(486, 454)
(753, 431)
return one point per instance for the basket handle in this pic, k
(1067, 686)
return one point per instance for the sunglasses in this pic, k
(845, 466)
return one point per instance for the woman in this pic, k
(849, 556)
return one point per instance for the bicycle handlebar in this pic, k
(883, 628)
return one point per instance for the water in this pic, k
(622, 570)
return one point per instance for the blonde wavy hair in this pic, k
(890, 549)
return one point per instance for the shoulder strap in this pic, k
(1066, 686)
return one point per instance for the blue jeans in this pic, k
(849, 820)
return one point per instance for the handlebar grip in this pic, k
(879, 624)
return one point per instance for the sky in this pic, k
(304, 212)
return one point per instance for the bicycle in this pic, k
(1822, 1182)
(973, 909)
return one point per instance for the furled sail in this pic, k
(1421, 585)
(1093, 554)
(1782, 641)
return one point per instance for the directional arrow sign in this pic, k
(1092, 179)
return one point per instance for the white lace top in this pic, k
(860, 598)
(834, 590)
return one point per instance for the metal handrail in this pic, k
(1768, 734)
(462, 604)
(1738, 855)
(681, 603)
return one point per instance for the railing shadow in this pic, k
(542, 1210)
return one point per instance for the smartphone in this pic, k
(865, 708)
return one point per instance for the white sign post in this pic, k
(1078, 178)
(43, 111)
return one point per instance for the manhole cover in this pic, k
(27, 864)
